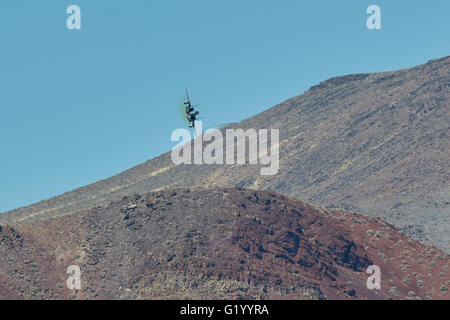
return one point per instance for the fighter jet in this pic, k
(191, 114)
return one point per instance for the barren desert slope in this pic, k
(220, 243)
(376, 144)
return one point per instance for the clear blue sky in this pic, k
(79, 106)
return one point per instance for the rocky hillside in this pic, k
(216, 243)
(372, 143)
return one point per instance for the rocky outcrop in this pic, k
(216, 243)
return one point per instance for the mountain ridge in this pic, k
(374, 143)
(216, 243)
